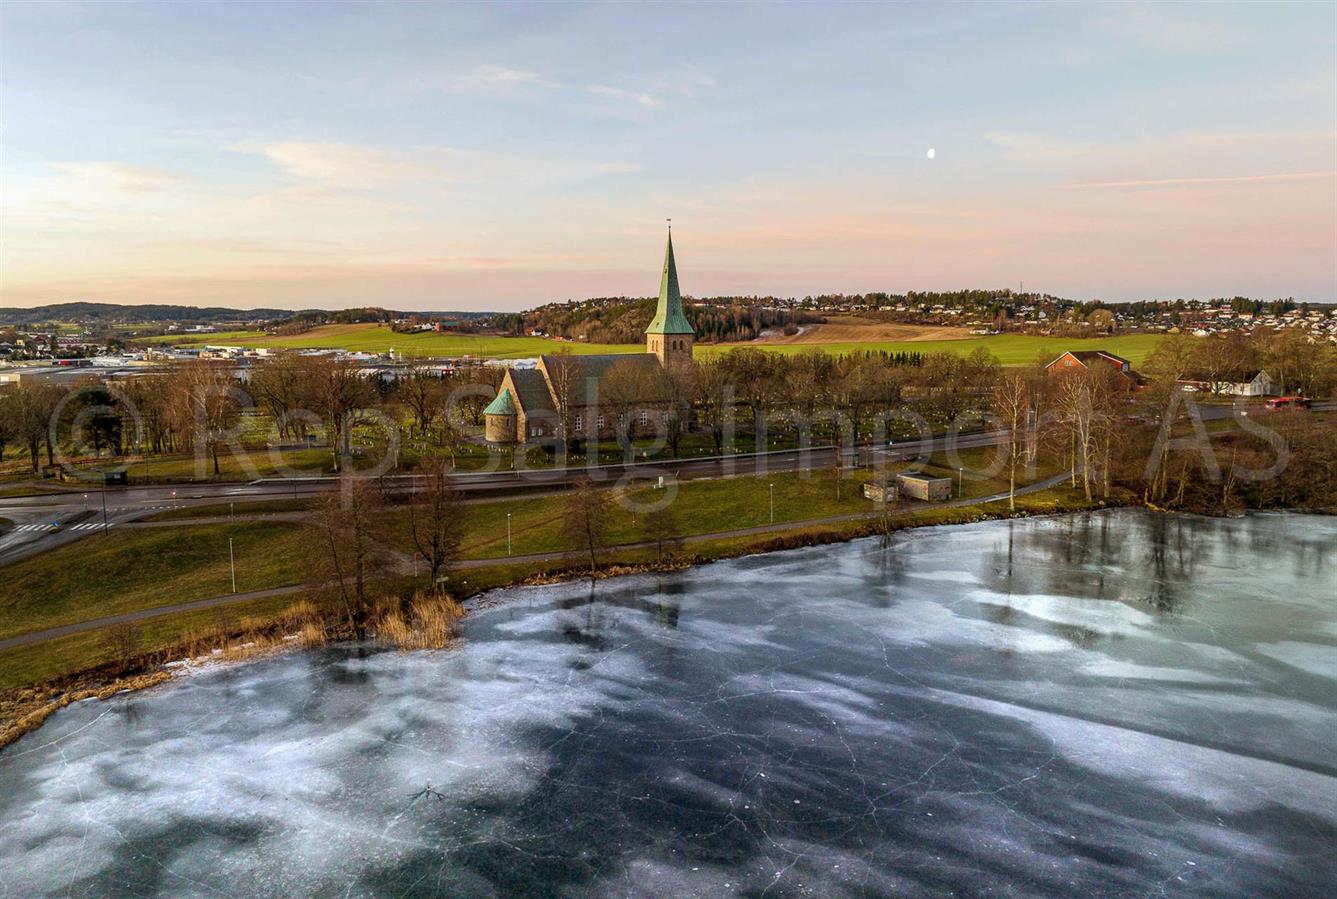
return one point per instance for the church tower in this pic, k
(669, 336)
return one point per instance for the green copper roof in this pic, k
(668, 316)
(502, 405)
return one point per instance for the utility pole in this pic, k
(508, 533)
(104, 510)
(232, 563)
(772, 486)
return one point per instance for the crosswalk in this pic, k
(51, 527)
(48, 528)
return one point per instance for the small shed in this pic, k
(918, 485)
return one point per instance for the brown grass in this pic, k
(29, 710)
(427, 623)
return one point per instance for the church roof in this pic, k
(532, 390)
(669, 317)
(502, 405)
(589, 371)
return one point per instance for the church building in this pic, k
(577, 396)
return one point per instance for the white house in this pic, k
(1253, 383)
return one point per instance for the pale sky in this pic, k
(487, 156)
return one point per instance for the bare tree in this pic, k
(675, 385)
(276, 385)
(121, 642)
(420, 389)
(208, 399)
(1088, 401)
(350, 556)
(713, 395)
(585, 520)
(8, 425)
(660, 527)
(435, 519)
(623, 390)
(28, 408)
(565, 377)
(753, 373)
(337, 388)
(1012, 403)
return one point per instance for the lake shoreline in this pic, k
(25, 709)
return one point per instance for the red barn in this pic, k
(1091, 360)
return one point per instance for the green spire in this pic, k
(669, 318)
(502, 405)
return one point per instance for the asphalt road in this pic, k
(50, 520)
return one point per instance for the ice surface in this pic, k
(1117, 703)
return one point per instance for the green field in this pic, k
(199, 339)
(134, 568)
(1011, 349)
(373, 338)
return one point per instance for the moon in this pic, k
(931, 153)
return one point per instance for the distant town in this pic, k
(78, 334)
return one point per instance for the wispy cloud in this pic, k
(650, 101)
(340, 165)
(116, 177)
(1190, 182)
(486, 76)
(488, 80)
(650, 90)
(1162, 30)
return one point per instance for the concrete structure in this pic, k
(921, 486)
(882, 490)
(573, 396)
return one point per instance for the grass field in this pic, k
(226, 510)
(199, 339)
(1011, 349)
(700, 507)
(372, 338)
(138, 569)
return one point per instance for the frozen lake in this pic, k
(1118, 703)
